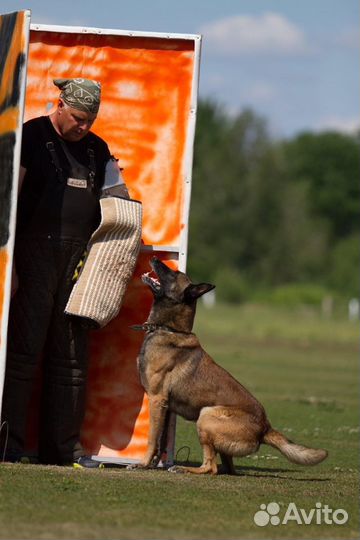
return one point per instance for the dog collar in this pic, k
(148, 328)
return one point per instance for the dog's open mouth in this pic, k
(152, 282)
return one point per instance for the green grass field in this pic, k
(304, 369)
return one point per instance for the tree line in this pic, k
(267, 213)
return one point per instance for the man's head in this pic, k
(78, 106)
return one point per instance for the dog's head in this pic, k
(173, 285)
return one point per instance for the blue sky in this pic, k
(294, 62)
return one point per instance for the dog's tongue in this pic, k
(147, 277)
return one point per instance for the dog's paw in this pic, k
(176, 469)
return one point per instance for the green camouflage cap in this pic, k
(81, 94)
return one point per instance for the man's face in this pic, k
(73, 124)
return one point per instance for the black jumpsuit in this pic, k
(56, 217)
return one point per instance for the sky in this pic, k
(294, 62)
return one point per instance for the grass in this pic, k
(303, 368)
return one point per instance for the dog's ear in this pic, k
(192, 292)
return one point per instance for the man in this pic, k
(65, 168)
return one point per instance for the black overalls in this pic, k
(47, 251)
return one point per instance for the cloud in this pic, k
(337, 123)
(269, 33)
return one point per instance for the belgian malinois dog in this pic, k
(179, 376)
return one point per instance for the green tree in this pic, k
(245, 214)
(268, 213)
(344, 266)
(329, 163)
(226, 156)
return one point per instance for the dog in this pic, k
(180, 377)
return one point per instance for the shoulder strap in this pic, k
(92, 163)
(55, 160)
(46, 134)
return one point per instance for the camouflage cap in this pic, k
(81, 94)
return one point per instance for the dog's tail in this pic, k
(296, 453)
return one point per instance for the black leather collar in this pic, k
(148, 328)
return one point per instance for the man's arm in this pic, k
(114, 184)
